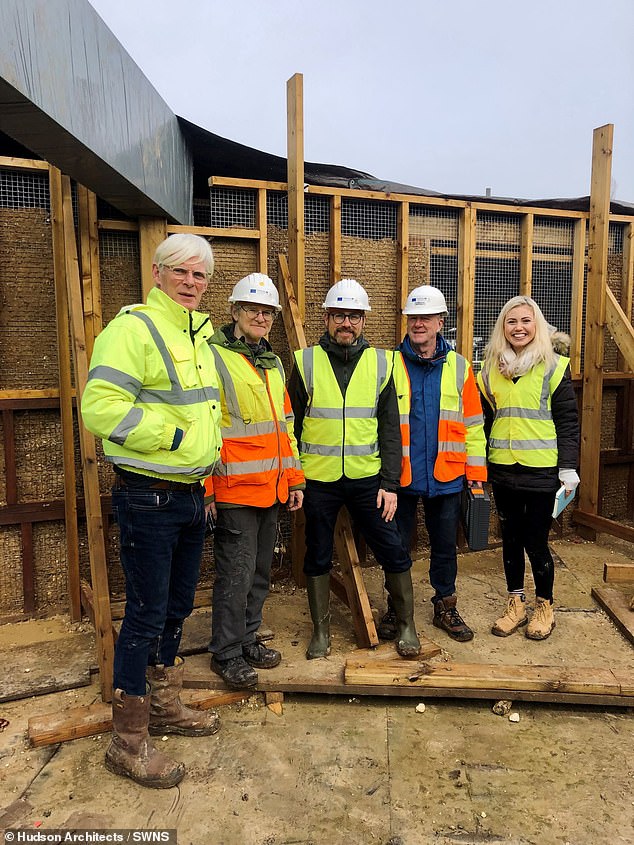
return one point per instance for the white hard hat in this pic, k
(347, 293)
(258, 288)
(426, 300)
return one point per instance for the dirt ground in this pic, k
(350, 770)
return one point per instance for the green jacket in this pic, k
(152, 393)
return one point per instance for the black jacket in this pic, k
(543, 479)
(343, 360)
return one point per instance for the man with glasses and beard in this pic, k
(259, 469)
(347, 425)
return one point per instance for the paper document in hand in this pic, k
(562, 499)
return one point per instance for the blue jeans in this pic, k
(162, 534)
(442, 514)
(322, 503)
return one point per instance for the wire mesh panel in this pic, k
(233, 207)
(433, 256)
(120, 271)
(369, 255)
(202, 212)
(277, 209)
(23, 189)
(553, 245)
(317, 260)
(497, 276)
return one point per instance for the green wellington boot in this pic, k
(399, 586)
(318, 588)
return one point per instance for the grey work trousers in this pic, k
(244, 544)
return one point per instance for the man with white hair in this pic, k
(347, 427)
(152, 396)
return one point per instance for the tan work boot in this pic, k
(131, 754)
(514, 617)
(168, 715)
(543, 620)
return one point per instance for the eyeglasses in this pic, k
(339, 318)
(254, 311)
(182, 273)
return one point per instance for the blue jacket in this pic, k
(425, 375)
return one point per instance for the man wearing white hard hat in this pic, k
(447, 446)
(347, 426)
(258, 471)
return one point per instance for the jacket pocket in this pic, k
(244, 462)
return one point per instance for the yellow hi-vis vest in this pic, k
(523, 431)
(461, 442)
(340, 437)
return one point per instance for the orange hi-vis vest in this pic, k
(461, 441)
(259, 461)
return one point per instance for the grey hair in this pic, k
(184, 247)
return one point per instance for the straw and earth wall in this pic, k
(31, 463)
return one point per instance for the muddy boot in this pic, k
(542, 621)
(447, 617)
(401, 590)
(168, 715)
(318, 588)
(514, 617)
(131, 754)
(386, 629)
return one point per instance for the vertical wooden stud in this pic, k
(152, 230)
(627, 281)
(94, 518)
(526, 254)
(65, 394)
(466, 280)
(295, 179)
(595, 318)
(402, 269)
(335, 239)
(578, 276)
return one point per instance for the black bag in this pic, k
(476, 509)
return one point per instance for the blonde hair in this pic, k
(184, 247)
(500, 353)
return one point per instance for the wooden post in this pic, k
(578, 278)
(526, 254)
(627, 280)
(402, 269)
(94, 520)
(595, 319)
(65, 395)
(263, 243)
(295, 145)
(90, 276)
(466, 281)
(152, 230)
(335, 239)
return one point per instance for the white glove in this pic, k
(569, 479)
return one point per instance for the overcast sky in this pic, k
(451, 95)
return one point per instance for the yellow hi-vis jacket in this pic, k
(461, 441)
(259, 461)
(340, 436)
(147, 381)
(523, 431)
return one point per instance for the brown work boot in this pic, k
(447, 617)
(168, 715)
(542, 621)
(514, 617)
(131, 754)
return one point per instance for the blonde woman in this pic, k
(533, 442)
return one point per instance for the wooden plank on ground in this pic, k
(96, 718)
(600, 523)
(479, 676)
(618, 572)
(45, 667)
(616, 604)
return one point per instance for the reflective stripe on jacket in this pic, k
(148, 380)
(340, 435)
(523, 431)
(259, 461)
(461, 441)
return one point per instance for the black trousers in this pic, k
(322, 503)
(525, 519)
